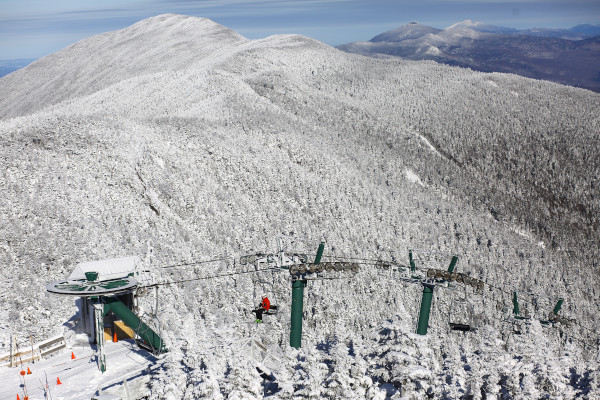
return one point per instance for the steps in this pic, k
(123, 332)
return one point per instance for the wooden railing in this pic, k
(33, 352)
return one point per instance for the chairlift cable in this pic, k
(323, 279)
(351, 258)
(361, 261)
(509, 293)
(523, 301)
(588, 330)
(422, 251)
(213, 277)
(193, 263)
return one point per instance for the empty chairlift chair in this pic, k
(461, 316)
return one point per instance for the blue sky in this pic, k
(34, 28)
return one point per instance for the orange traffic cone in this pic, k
(72, 356)
(58, 382)
(28, 371)
(18, 397)
(115, 338)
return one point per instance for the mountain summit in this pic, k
(157, 44)
(413, 30)
(481, 27)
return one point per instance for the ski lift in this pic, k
(520, 319)
(266, 289)
(518, 314)
(273, 309)
(554, 318)
(416, 275)
(461, 315)
(265, 373)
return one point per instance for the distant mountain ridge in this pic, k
(414, 30)
(567, 56)
(593, 30)
(578, 32)
(481, 27)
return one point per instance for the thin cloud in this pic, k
(242, 7)
(331, 21)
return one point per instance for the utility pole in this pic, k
(99, 327)
(12, 350)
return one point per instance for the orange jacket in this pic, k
(265, 303)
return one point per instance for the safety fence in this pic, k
(19, 355)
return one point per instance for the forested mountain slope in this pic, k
(217, 156)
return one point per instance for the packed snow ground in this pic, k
(215, 152)
(80, 378)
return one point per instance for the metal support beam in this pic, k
(320, 251)
(99, 310)
(452, 264)
(558, 306)
(516, 310)
(298, 304)
(425, 309)
(297, 311)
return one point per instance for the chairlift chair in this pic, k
(461, 316)
(267, 289)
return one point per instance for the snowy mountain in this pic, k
(592, 30)
(566, 34)
(120, 55)
(481, 27)
(413, 30)
(202, 145)
(579, 32)
(563, 56)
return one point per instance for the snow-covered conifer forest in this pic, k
(178, 140)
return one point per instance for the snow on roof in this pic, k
(113, 268)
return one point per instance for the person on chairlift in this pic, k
(263, 307)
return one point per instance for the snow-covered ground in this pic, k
(129, 370)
